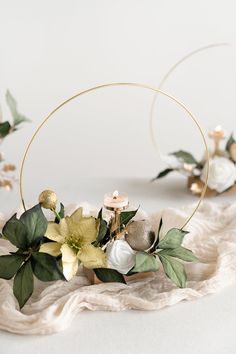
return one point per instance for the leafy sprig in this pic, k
(26, 234)
(6, 127)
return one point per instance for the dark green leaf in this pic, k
(35, 222)
(12, 104)
(180, 252)
(163, 173)
(5, 128)
(45, 267)
(107, 275)
(155, 246)
(126, 216)
(16, 232)
(102, 228)
(174, 270)
(145, 263)
(23, 283)
(185, 157)
(10, 264)
(230, 141)
(61, 214)
(172, 239)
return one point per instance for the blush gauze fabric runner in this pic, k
(53, 306)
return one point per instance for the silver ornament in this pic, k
(139, 235)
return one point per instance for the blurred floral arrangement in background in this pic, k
(222, 166)
(7, 177)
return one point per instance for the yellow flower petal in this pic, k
(69, 261)
(64, 228)
(77, 215)
(52, 248)
(53, 232)
(87, 229)
(92, 257)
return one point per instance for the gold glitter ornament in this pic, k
(232, 151)
(48, 199)
(139, 235)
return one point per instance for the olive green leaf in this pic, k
(172, 239)
(163, 173)
(18, 118)
(35, 223)
(174, 270)
(61, 214)
(145, 263)
(5, 128)
(102, 228)
(23, 283)
(185, 157)
(15, 231)
(9, 265)
(107, 275)
(181, 253)
(126, 216)
(45, 267)
(230, 141)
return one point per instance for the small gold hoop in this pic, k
(113, 85)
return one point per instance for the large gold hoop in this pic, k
(107, 86)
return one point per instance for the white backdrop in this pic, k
(50, 50)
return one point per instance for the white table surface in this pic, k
(204, 326)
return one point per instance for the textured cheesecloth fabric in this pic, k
(54, 305)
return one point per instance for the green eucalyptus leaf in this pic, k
(163, 173)
(9, 265)
(15, 231)
(126, 216)
(185, 157)
(23, 285)
(174, 270)
(5, 128)
(45, 267)
(18, 118)
(35, 223)
(230, 141)
(181, 253)
(107, 275)
(145, 263)
(172, 239)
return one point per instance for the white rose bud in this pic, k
(222, 174)
(120, 256)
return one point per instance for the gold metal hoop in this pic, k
(113, 85)
(168, 74)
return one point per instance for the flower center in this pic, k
(74, 242)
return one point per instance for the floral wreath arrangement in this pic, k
(7, 177)
(111, 247)
(222, 172)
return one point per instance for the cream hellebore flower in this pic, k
(222, 173)
(120, 256)
(73, 238)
